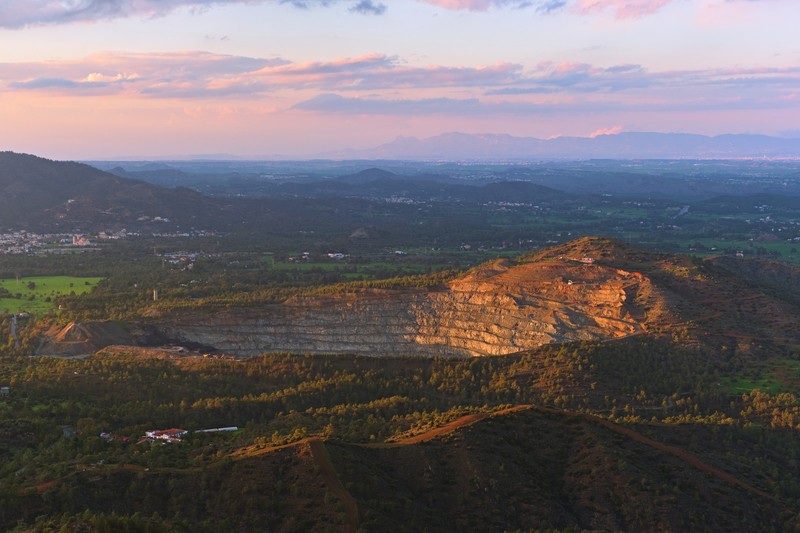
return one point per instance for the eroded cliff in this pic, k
(497, 309)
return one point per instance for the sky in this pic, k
(103, 79)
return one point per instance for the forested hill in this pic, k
(56, 196)
(37, 193)
(521, 443)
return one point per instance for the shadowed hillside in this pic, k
(521, 469)
(39, 193)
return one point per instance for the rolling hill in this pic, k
(589, 386)
(635, 407)
(724, 313)
(43, 195)
(588, 289)
(524, 468)
(37, 193)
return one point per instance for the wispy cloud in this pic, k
(91, 83)
(21, 13)
(25, 13)
(368, 7)
(550, 77)
(332, 103)
(565, 77)
(475, 107)
(376, 71)
(551, 6)
(622, 8)
(45, 83)
(381, 84)
(484, 5)
(112, 73)
(471, 107)
(195, 74)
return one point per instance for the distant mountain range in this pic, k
(40, 194)
(490, 147)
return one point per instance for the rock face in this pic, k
(76, 339)
(494, 310)
(503, 309)
(591, 288)
(369, 323)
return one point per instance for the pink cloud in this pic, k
(376, 71)
(206, 75)
(621, 8)
(606, 131)
(376, 84)
(26, 13)
(115, 73)
(472, 5)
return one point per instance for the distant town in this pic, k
(25, 242)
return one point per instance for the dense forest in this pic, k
(56, 409)
(688, 425)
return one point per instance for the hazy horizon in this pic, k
(124, 78)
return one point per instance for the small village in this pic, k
(21, 242)
(24, 242)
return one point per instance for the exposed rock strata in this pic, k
(494, 310)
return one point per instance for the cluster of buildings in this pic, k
(24, 242)
(145, 218)
(170, 436)
(192, 233)
(305, 257)
(173, 435)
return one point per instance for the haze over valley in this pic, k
(682, 316)
(485, 265)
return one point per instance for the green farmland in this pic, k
(772, 376)
(38, 294)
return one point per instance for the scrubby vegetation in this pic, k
(690, 425)
(56, 409)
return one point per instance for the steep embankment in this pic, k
(83, 338)
(497, 309)
(589, 289)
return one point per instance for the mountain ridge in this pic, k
(41, 193)
(626, 145)
(589, 472)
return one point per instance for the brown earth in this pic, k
(499, 308)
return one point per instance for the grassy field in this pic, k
(772, 375)
(37, 294)
(787, 251)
